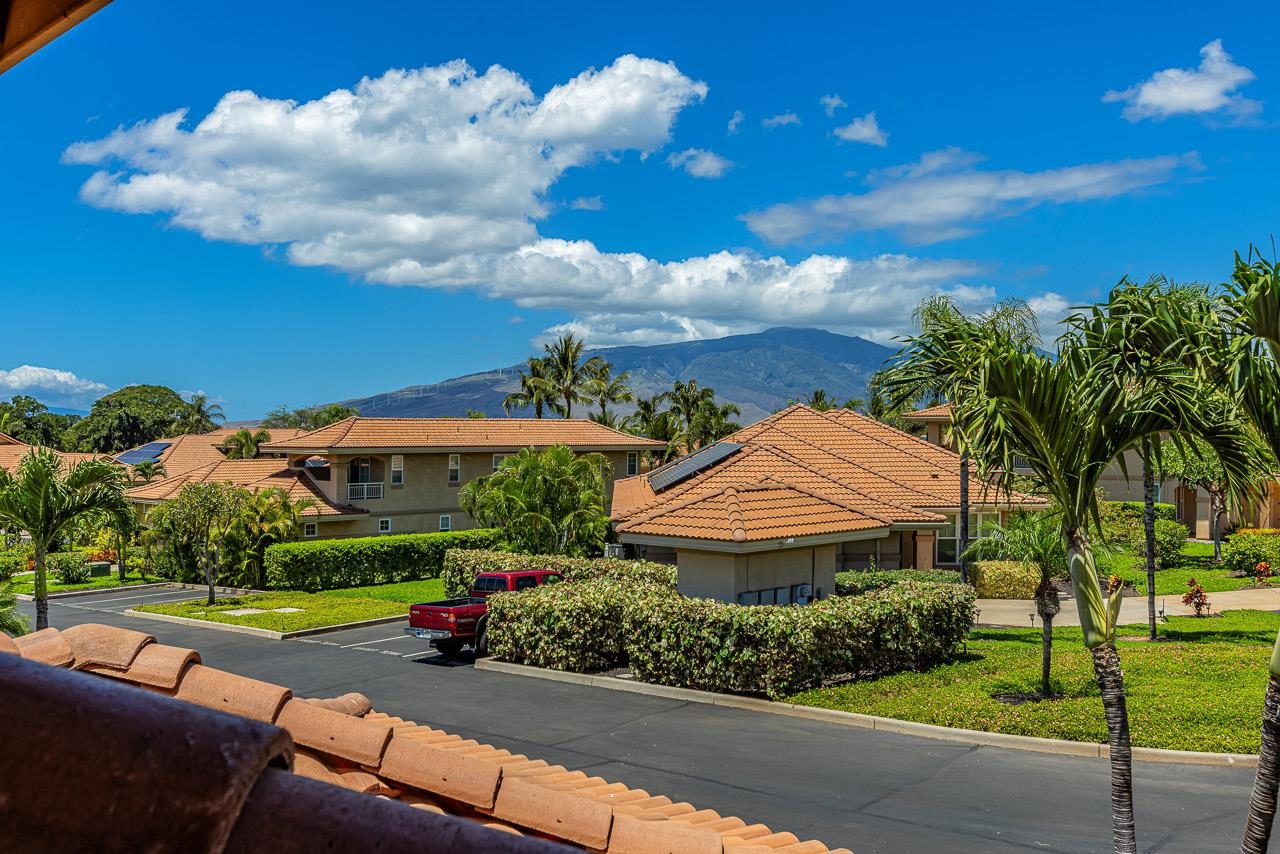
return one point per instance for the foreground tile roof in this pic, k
(851, 468)
(251, 474)
(194, 450)
(154, 773)
(12, 451)
(458, 433)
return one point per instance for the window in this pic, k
(446, 523)
(455, 469)
(489, 585)
(384, 526)
(360, 470)
(633, 463)
(980, 525)
(525, 582)
(497, 460)
(397, 469)
(308, 529)
(552, 579)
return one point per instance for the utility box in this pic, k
(99, 569)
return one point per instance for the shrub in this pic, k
(1249, 547)
(1196, 598)
(577, 626)
(12, 561)
(1171, 538)
(853, 582)
(1119, 517)
(360, 561)
(1004, 579)
(461, 566)
(69, 567)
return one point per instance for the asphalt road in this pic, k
(869, 791)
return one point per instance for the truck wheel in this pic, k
(449, 648)
(482, 640)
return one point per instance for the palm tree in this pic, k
(535, 389)
(44, 498)
(200, 416)
(265, 518)
(1068, 417)
(604, 388)
(856, 404)
(243, 444)
(819, 400)
(1035, 539)
(12, 621)
(568, 375)
(653, 422)
(687, 398)
(711, 423)
(145, 471)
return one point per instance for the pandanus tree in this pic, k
(45, 497)
(145, 471)
(1067, 417)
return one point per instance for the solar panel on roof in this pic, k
(683, 469)
(150, 451)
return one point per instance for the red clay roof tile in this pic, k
(352, 703)
(337, 734)
(559, 814)
(425, 766)
(107, 646)
(456, 433)
(227, 692)
(7, 645)
(631, 835)
(46, 646)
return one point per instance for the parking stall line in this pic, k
(367, 643)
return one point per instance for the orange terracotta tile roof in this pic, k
(256, 475)
(941, 412)
(383, 772)
(194, 450)
(458, 433)
(851, 461)
(12, 452)
(6, 439)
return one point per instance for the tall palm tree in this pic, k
(1035, 539)
(535, 389)
(243, 444)
(1068, 417)
(145, 471)
(856, 404)
(567, 373)
(200, 416)
(605, 388)
(819, 400)
(45, 497)
(687, 398)
(711, 423)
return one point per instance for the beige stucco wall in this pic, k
(722, 576)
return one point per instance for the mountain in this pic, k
(760, 372)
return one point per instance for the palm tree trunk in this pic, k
(1216, 510)
(1262, 803)
(963, 531)
(41, 592)
(1047, 607)
(1149, 534)
(1106, 666)
(210, 568)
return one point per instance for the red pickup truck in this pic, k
(452, 623)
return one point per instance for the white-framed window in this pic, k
(397, 469)
(309, 529)
(446, 522)
(633, 463)
(455, 469)
(497, 460)
(980, 525)
(384, 526)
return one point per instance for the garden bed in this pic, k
(25, 583)
(1200, 689)
(1196, 561)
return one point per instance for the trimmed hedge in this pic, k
(1004, 579)
(462, 565)
(1120, 517)
(699, 643)
(1244, 549)
(68, 567)
(361, 561)
(1171, 537)
(855, 581)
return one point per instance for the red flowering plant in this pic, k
(1262, 572)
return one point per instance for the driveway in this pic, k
(870, 791)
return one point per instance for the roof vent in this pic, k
(686, 467)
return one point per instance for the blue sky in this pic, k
(664, 172)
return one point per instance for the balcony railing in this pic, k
(364, 491)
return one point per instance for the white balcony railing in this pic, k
(364, 491)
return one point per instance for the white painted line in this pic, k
(365, 643)
(184, 593)
(420, 654)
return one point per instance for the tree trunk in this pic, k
(210, 568)
(963, 521)
(41, 592)
(1149, 535)
(1217, 506)
(1106, 665)
(1047, 607)
(120, 556)
(1262, 803)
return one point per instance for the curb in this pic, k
(261, 633)
(853, 719)
(97, 591)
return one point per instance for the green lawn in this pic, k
(1196, 562)
(1200, 689)
(330, 608)
(26, 583)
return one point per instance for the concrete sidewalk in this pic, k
(1021, 612)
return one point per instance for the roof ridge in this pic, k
(737, 523)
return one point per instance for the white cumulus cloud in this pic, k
(864, 129)
(831, 103)
(1210, 88)
(700, 163)
(943, 196)
(779, 120)
(50, 386)
(735, 121)
(438, 177)
(587, 203)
